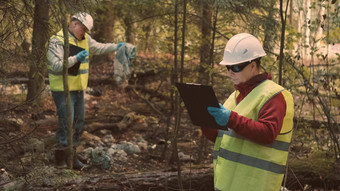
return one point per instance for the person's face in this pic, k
(79, 30)
(247, 72)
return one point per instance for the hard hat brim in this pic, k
(225, 63)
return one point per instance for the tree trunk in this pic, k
(174, 79)
(148, 33)
(194, 179)
(300, 30)
(65, 83)
(319, 33)
(307, 30)
(205, 42)
(212, 46)
(103, 30)
(269, 29)
(37, 63)
(174, 156)
(129, 30)
(282, 45)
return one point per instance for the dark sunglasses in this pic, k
(238, 67)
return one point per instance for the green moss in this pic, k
(317, 163)
(45, 176)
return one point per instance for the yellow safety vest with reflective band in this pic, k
(75, 83)
(240, 164)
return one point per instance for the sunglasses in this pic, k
(238, 67)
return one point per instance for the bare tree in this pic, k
(178, 107)
(63, 11)
(283, 16)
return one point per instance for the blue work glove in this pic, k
(82, 55)
(221, 114)
(120, 44)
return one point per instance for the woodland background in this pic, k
(177, 41)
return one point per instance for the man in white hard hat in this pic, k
(251, 148)
(81, 46)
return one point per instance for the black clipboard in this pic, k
(74, 50)
(197, 98)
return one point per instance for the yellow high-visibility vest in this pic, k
(240, 164)
(77, 82)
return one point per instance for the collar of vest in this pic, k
(246, 87)
(72, 39)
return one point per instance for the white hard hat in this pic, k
(85, 19)
(241, 48)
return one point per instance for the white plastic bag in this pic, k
(122, 66)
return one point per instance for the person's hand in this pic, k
(120, 44)
(82, 55)
(221, 114)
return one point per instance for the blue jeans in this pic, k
(78, 116)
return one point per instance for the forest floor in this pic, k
(124, 116)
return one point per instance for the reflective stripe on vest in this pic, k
(75, 83)
(240, 164)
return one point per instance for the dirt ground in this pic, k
(24, 125)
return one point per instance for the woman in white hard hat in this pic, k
(252, 153)
(81, 46)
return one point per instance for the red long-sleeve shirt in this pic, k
(270, 119)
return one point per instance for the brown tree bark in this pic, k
(283, 16)
(269, 29)
(103, 30)
(204, 49)
(37, 64)
(70, 153)
(129, 29)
